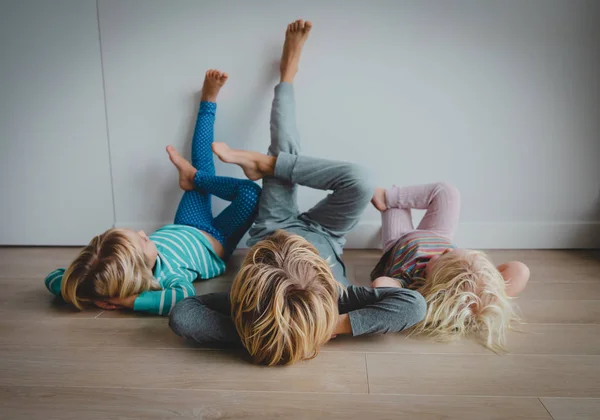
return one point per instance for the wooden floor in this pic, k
(56, 363)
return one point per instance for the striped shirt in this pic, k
(184, 255)
(407, 258)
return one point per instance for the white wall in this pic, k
(501, 98)
(54, 165)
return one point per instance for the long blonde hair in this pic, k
(466, 296)
(109, 266)
(284, 300)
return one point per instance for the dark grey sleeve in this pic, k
(205, 319)
(381, 310)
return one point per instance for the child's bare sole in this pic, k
(295, 37)
(378, 199)
(186, 171)
(213, 82)
(254, 164)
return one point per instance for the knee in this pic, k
(251, 193)
(179, 318)
(360, 181)
(448, 192)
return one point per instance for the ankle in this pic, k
(208, 98)
(287, 75)
(266, 165)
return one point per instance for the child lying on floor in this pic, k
(288, 298)
(125, 269)
(465, 293)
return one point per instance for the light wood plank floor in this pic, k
(57, 363)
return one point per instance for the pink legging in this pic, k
(442, 202)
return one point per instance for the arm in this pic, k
(160, 302)
(381, 310)
(54, 280)
(205, 319)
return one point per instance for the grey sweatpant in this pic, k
(326, 224)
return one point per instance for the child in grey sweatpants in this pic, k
(359, 310)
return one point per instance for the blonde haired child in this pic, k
(289, 297)
(465, 293)
(125, 269)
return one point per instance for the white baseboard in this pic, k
(485, 235)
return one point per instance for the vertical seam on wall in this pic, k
(110, 167)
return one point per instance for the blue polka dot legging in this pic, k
(195, 208)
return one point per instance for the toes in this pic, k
(300, 24)
(173, 155)
(307, 26)
(217, 75)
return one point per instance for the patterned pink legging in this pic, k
(442, 202)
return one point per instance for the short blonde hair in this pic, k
(284, 300)
(109, 266)
(466, 296)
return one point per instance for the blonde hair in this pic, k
(465, 295)
(284, 300)
(109, 266)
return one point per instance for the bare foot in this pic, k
(213, 82)
(186, 171)
(295, 36)
(378, 199)
(254, 164)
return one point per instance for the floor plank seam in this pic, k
(228, 390)
(46, 346)
(573, 398)
(254, 391)
(367, 374)
(546, 408)
(375, 352)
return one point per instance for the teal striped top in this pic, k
(184, 255)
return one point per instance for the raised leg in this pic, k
(337, 213)
(202, 158)
(195, 207)
(278, 203)
(442, 202)
(394, 224)
(235, 220)
(350, 184)
(231, 224)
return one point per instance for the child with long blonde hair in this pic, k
(290, 295)
(125, 269)
(466, 293)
